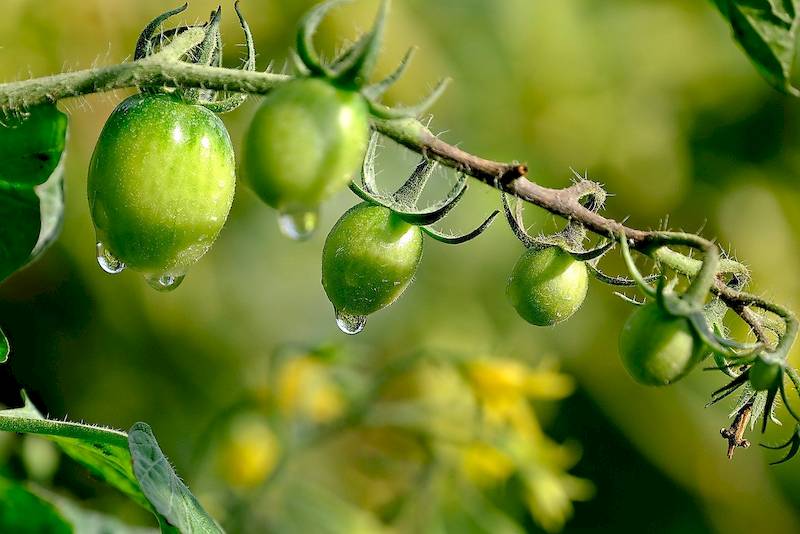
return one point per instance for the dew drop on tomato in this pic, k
(107, 261)
(350, 324)
(298, 225)
(165, 282)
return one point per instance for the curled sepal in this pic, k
(367, 196)
(728, 389)
(618, 281)
(630, 300)
(204, 54)
(225, 102)
(410, 192)
(458, 239)
(368, 173)
(405, 112)
(793, 446)
(719, 344)
(358, 65)
(438, 211)
(5, 347)
(305, 38)
(515, 222)
(377, 90)
(592, 254)
(403, 202)
(144, 43)
(645, 286)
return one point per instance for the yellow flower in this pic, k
(248, 452)
(304, 387)
(504, 386)
(486, 465)
(550, 495)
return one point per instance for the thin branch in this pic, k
(156, 71)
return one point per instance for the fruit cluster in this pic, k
(162, 180)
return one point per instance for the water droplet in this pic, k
(350, 324)
(165, 282)
(107, 261)
(298, 225)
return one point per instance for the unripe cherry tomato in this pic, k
(547, 286)
(657, 348)
(304, 144)
(764, 374)
(161, 183)
(369, 258)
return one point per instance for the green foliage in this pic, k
(31, 204)
(30, 509)
(767, 31)
(23, 512)
(165, 491)
(133, 463)
(31, 190)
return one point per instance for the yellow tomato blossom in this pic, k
(305, 387)
(248, 452)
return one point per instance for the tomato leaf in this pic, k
(87, 521)
(29, 508)
(168, 494)
(767, 31)
(133, 463)
(103, 451)
(31, 189)
(23, 511)
(31, 186)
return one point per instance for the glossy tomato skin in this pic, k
(657, 348)
(369, 258)
(305, 143)
(764, 375)
(547, 286)
(161, 183)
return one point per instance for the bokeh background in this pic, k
(449, 413)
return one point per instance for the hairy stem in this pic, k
(163, 71)
(64, 429)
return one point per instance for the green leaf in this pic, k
(168, 494)
(31, 188)
(85, 521)
(767, 31)
(23, 512)
(132, 463)
(31, 185)
(103, 451)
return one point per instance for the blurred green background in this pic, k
(651, 97)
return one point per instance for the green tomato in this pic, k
(657, 348)
(547, 286)
(764, 374)
(304, 144)
(161, 184)
(369, 259)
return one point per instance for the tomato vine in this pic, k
(185, 62)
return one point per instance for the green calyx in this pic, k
(690, 304)
(572, 237)
(403, 202)
(762, 376)
(352, 69)
(205, 48)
